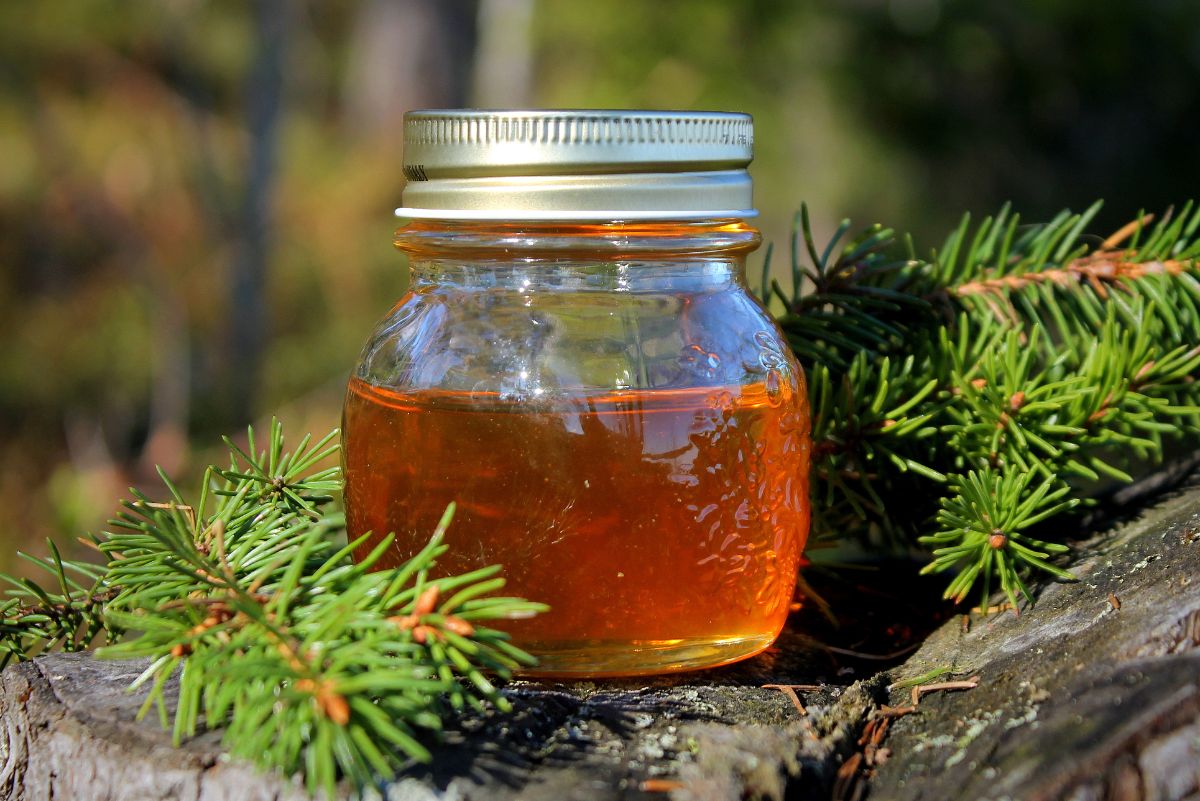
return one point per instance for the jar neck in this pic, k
(577, 257)
(630, 277)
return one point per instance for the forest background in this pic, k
(195, 196)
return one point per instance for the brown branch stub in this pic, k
(427, 601)
(330, 702)
(422, 631)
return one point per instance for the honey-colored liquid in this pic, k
(663, 527)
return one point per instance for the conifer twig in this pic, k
(311, 661)
(1004, 378)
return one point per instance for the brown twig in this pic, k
(790, 691)
(846, 779)
(896, 711)
(1100, 269)
(923, 689)
(850, 782)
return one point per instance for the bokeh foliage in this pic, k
(125, 138)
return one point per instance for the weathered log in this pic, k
(1092, 694)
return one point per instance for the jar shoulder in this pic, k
(518, 344)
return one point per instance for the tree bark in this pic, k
(1092, 694)
(248, 309)
(405, 55)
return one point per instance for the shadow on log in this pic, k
(1092, 694)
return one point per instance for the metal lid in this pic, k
(577, 164)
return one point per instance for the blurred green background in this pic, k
(195, 196)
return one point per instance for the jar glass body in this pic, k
(619, 422)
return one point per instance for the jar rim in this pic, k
(570, 215)
(553, 239)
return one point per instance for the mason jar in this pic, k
(579, 366)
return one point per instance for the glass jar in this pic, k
(579, 366)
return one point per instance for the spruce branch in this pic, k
(1030, 354)
(311, 661)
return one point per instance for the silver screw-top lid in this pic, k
(577, 165)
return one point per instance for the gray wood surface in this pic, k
(1075, 699)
